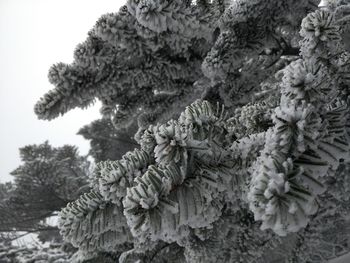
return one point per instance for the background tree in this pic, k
(46, 181)
(106, 142)
(14, 254)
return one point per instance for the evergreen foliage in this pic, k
(242, 117)
(51, 254)
(107, 143)
(44, 183)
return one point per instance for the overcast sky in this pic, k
(34, 34)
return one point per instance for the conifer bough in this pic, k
(242, 111)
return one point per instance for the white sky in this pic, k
(34, 34)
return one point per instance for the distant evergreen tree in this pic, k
(241, 114)
(15, 254)
(106, 142)
(45, 182)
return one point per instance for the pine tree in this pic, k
(106, 142)
(241, 112)
(46, 181)
(51, 254)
